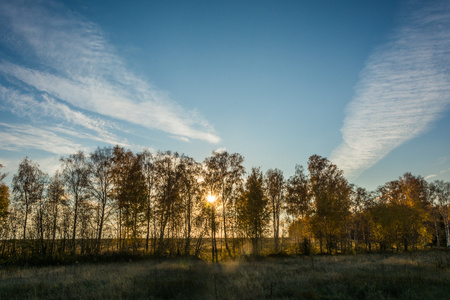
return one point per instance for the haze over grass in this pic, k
(419, 275)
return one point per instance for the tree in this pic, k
(331, 196)
(362, 202)
(299, 206)
(298, 196)
(41, 215)
(191, 194)
(148, 170)
(168, 198)
(254, 213)
(132, 200)
(440, 195)
(4, 205)
(101, 185)
(402, 212)
(122, 162)
(4, 197)
(275, 186)
(87, 231)
(415, 198)
(28, 187)
(56, 198)
(76, 177)
(224, 173)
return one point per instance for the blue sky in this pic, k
(364, 83)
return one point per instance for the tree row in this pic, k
(114, 200)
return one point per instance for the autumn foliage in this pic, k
(116, 201)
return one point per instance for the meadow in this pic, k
(413, 275)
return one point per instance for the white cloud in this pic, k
(73, 62)
(26, 105)
(18, 137)
(220, 150)
(83, 135)
(181, 138)
(403, 89)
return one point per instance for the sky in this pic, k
(363, 83)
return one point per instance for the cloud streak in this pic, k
(17, 137)
(403, 88)
(28, 106)
(69, 58)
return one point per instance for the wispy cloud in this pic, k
(403, 89)
(181, 138)
(28, 106)
(69, 58)
(19, 137)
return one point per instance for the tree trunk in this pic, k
(55, 217)
(75, 224)
(225, 230)
(254, 245)
(188, 238)
(25, 224)
(447, 231)
(119, 246)
(436, 230)
(275, 227)
(41, 228)
(148, 231)
(100, 228)
(444, 213)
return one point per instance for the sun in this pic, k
(211, 198)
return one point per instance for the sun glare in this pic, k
(211, 198)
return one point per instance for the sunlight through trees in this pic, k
(116, 201)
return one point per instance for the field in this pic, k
(415, 275)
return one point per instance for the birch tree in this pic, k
(101, 185)
(148, 169)
(56, 199)
(331, 196)
(275, 190)
(254, 213)
(4, 197)
(440, 193)
(28, 188)
(76, 178)
(224, 173)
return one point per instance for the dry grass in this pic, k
(419, 275)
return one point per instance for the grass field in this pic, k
(415, 275)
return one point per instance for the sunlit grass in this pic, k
(418, 275)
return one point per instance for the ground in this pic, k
(414, 275)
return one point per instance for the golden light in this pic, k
(211, 198)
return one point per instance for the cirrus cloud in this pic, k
(63, 56)
(403, 88)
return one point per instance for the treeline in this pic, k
(114, 201)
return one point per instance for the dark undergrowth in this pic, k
(79, 259)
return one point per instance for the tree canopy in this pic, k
(156, 203)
